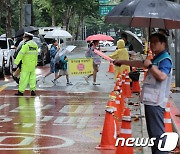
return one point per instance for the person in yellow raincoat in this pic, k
(120, 54)
(29, 57)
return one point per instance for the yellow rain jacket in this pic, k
(29, 56)
(120, 54)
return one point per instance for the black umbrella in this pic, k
(28, 29)
(146, 13)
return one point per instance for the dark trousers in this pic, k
(155, 125)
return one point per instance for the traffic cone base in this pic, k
(125, 132)
(105, 147)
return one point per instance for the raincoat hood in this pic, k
(120, 44)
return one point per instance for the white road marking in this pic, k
(83, 122)
(59, 120)
(11, 84)
(67, 142)
(87, 109)
(80, 122)
(4, 118)
(105, 97)
(3, 106)
(30, 108)
(27, 125)
(46, 118)
(26, 140)
(47, 107)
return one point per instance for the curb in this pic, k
(175, 120)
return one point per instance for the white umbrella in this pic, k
(58, 33)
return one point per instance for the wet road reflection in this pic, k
(53, 122)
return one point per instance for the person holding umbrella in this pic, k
(96, 62)
(128, 45)
(53, 51)
(156, 87)
(120, 54)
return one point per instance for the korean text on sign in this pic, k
(83, 66)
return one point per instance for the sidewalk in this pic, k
(175, 109)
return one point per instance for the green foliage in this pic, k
(69, 13)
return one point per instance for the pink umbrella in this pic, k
(99, 37)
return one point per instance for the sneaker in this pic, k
(19, 93)
(33, 93)
(86, 79)
(54, 82)
(96, 84)
(69, 84)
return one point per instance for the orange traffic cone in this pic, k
(127, 88)
(136, 87)
(120, 105)
(125, 132)
(109, 135)
(111, 68)
(119, 76)
(112, 95)
(119, 83)
(167, 119)
(118, 114)
(117, 88)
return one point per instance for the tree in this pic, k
(8, 19)
(32, 12)
(1, 8)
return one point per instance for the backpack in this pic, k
(59, 64)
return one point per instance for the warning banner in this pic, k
(83, 66)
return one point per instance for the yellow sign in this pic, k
(81, 66)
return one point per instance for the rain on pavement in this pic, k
(60, 119)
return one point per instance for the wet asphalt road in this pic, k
(59, 120)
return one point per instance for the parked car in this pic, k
(43, 52)
(106, 44)
(1, 64)
(8, 49)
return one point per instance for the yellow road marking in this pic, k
(2, 88)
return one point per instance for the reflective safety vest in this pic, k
(155, 92)
(29, 56)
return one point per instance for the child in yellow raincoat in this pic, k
(120, 54)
